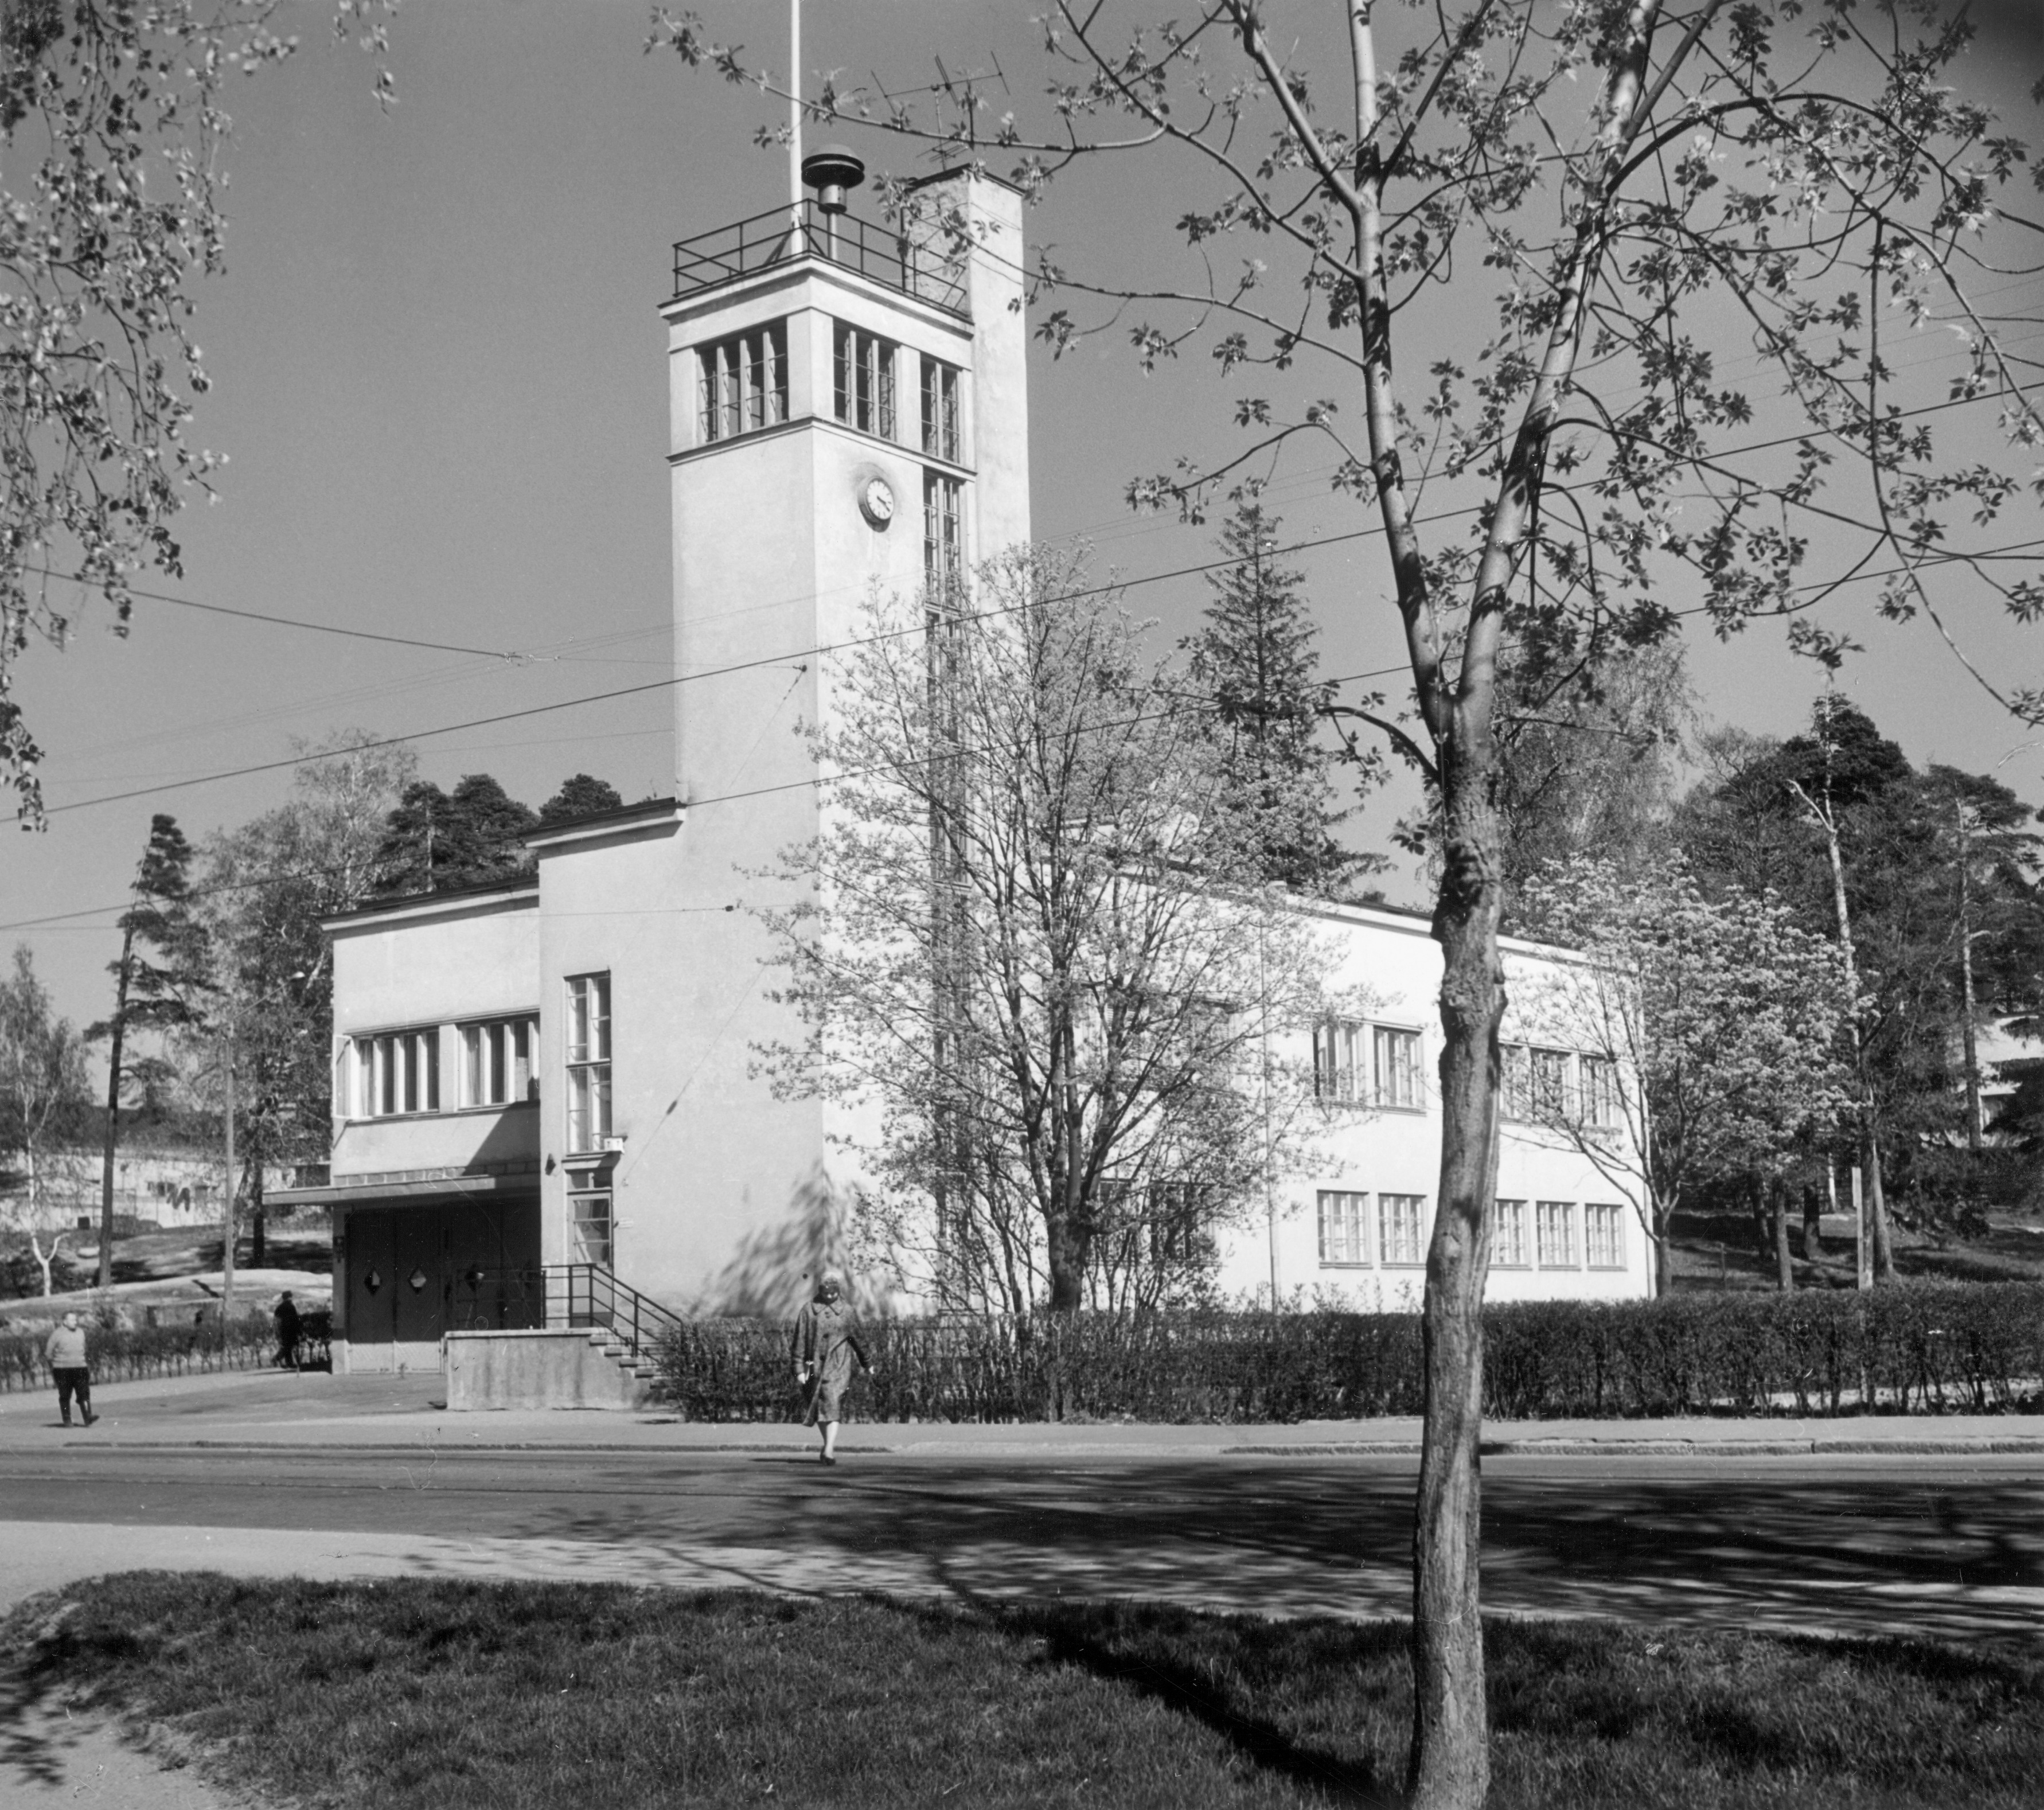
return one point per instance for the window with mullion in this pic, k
(941, 438)
(862, 380)
(741, 383)
(589, 1061)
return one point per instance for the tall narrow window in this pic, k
(1399, 1237)
(498, 1062)
(941, 438)
(589, 1061)
(1396, 1054)
(862, 380)
(1337, 1059)
(741, 383)
(1547, 1085)
(1344, 1223)
(1557, 1223)
(1508, 1240)
(943, 550)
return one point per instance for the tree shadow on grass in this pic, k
(1155, 1653)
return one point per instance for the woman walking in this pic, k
(825, 1342)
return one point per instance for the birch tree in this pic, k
(43, 1092)
(1690, 236)
(1038, 942)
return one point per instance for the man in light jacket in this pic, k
(65, 1352)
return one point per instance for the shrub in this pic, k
(1924, 1348)
(124, 1354)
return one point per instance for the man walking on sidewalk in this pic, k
(65, 1352)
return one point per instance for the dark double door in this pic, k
(417, 1272)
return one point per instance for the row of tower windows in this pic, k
(742, 386)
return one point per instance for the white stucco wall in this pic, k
(1371, 1150)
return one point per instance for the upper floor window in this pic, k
(1536, 1083)
(397, 1072)
(943, 543)
(498, 1064)
(1338, 1058)
(741, 383)
(1598, 1078)
(1395, 1055)
(589, 1061)
(862, 380)
(941, 438)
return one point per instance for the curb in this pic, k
(1558, 1447)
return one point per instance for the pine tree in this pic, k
(437, 841)
(1255, 659)
(160, 984)
(582, 796)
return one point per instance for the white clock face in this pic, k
(876, 501)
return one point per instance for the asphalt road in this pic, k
(1935, 1544)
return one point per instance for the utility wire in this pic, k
(1196, 570)
(818, 779)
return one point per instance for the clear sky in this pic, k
(439, 378)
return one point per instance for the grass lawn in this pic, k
(417, 1692)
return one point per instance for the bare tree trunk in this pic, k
(1664, 1259)
(1784, 1265)
(1813, 1229)
(118, 1033)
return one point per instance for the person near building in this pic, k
(824, 1341)
(290, 1332)
(66, 1353)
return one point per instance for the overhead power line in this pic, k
(294, 621)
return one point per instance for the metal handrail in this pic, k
(880, 254)
(589, 1295)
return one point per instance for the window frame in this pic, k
(741, 383)
(1552, 1212)
(941, 410)
(502, 1060)
(943, 534)
(584, 1189)
(1330, 1202)
(1412, 1042)
(863, 368)
(1512, 1211)
(1597, 1090)
(1391, 1253)
(1612, 1217)
(386, 1063)
(587, 1042)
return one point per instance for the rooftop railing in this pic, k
(880, 254)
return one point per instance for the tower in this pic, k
(848, 410)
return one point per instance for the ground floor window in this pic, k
(1557, 1234)
(1507, 1238)
(1343, 1218)
(1605, 1226)
(590, 1226)
(1398, 1228)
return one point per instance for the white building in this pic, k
(548, 1086)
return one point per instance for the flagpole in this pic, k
(795, 116)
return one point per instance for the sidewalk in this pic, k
(275, 1409)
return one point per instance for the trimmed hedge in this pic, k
(124, 1354)
(1921, 1348)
